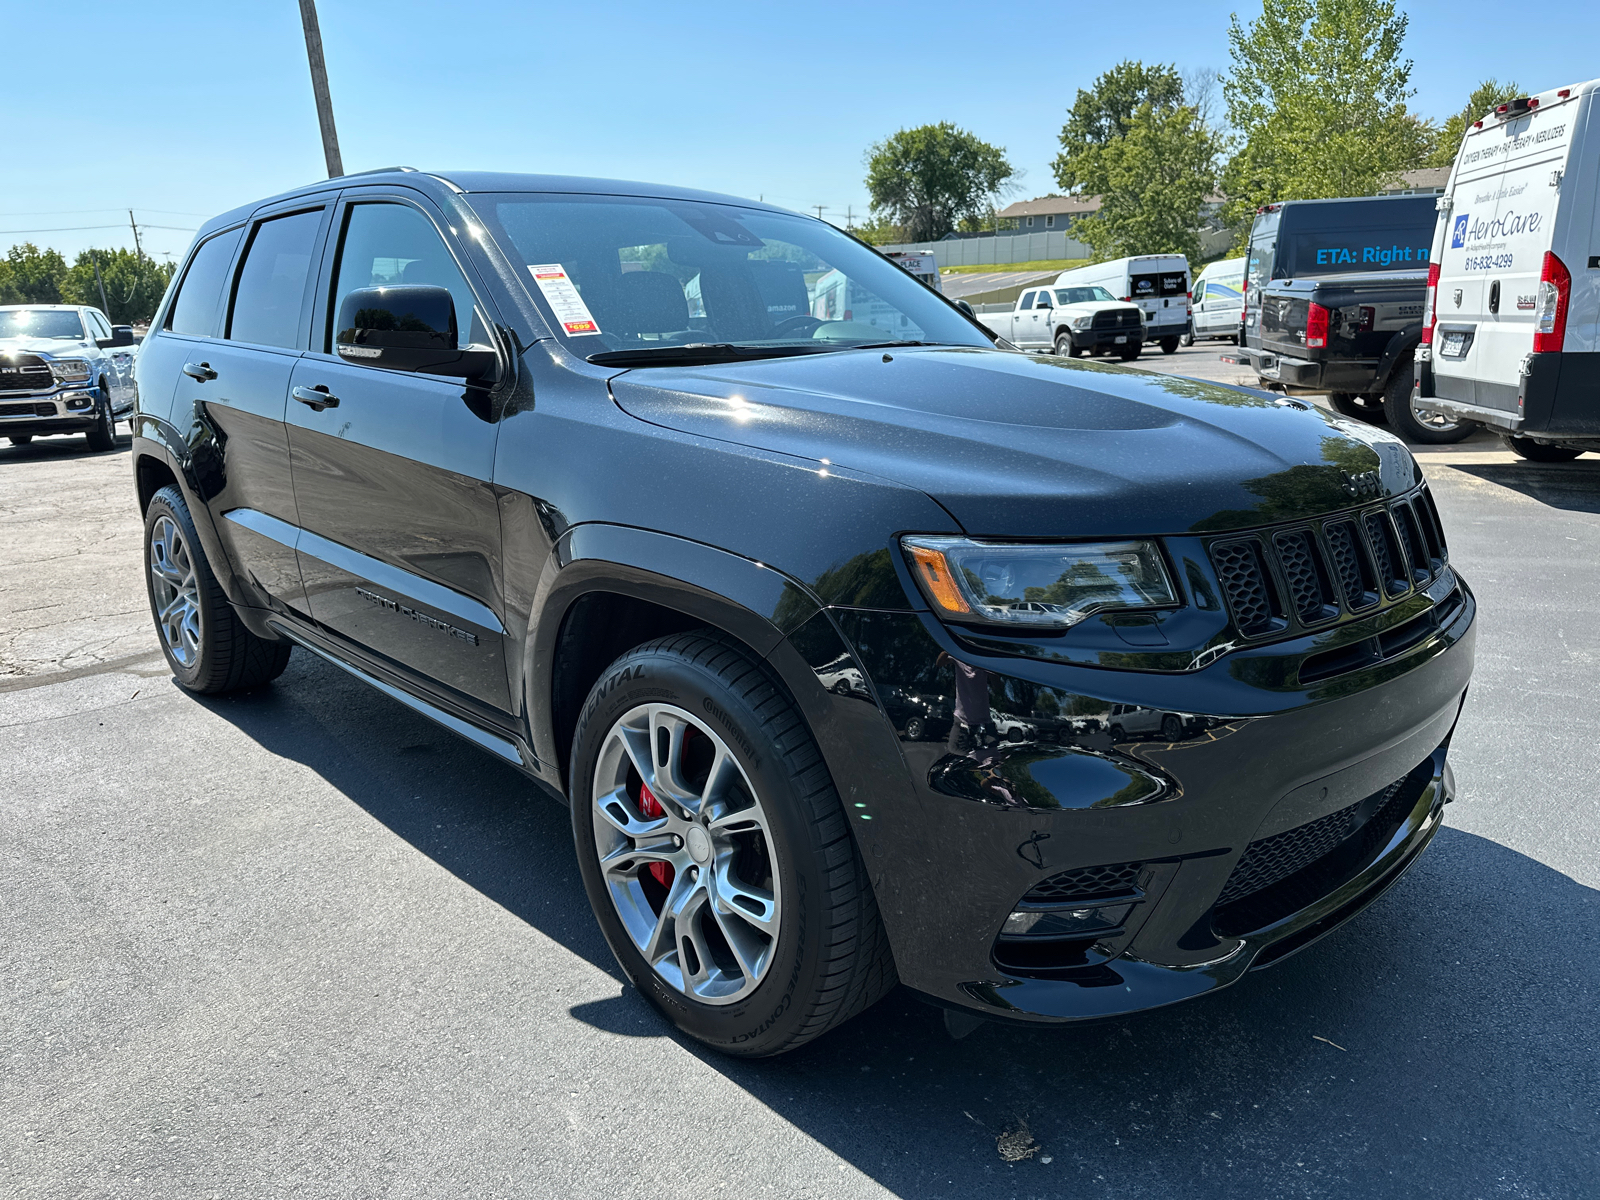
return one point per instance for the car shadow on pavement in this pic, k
(59, 447)
(1441, 1044)
(1574, 486)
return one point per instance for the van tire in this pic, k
(1539, 451)
(1169, 345)
(1404, 421)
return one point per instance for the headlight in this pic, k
(70, 370)
(1083, 322)
(1054, 586)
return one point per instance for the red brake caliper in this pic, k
(650, 808)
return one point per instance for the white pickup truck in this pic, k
(1071, 321)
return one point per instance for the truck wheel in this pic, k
(1538, 451)
(1356, 407)
(21, 439)
(1065, 346)
(1131, 352)
(1418, 424)
(1169, 345)
(104, 434)
(716, 853)
(915, 729)
(206, 645)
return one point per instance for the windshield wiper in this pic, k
(696, 353)
(888, 345)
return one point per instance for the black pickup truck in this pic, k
(1334, 293)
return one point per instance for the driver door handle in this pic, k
(200, 371)
(317, 397)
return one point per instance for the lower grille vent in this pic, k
(1086, 883)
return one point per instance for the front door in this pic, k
(400, 528)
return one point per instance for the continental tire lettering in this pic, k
(606, 686)
(713, 709)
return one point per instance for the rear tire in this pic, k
(829, 958)
(205, 643)
(1169, 345)
(21, 439)
(1429, 429)
(103, 436)
(1538, 451)
(1187, 339)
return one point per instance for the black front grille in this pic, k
(1244, 580)
(1116, 318)
(1302, 575)
(25, 373)
(42, 409)
(1085, 883)
(1289, 871)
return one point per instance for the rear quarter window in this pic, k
(194, 308)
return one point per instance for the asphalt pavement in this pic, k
(301, 941)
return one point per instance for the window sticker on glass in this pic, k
(562, 295)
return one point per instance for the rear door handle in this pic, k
(317, 397)
(200, 371)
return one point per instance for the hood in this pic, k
(43, 347)
(1014, 445)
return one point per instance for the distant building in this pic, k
(1424, 181)
(1045, 213)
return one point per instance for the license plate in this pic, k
(1455, 345)
(1121, 340)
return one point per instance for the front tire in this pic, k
(1131, 352)
(21, 439)
(916, 730)
(103, 436)
(206, 645)
(716, 853)
(1538, 451)
(1430, 429)
(1064, 345)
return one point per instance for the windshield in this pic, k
(41, 323)
(1082, 295)
(622, 274)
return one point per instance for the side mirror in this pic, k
(121, 335)
(966, 308)
(407, 327)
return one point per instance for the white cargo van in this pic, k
(1510, 338)
(924, 266)
(1157, 283)
(1217, 300)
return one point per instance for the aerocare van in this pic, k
(1510, 338)
(1218, 300)
(1157, 283)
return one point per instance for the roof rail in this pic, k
(379, 171)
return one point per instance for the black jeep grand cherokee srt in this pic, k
(619, 481)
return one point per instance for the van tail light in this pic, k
(1430, 305)
(1317, 327)
(1244, 299)
(1550, 312)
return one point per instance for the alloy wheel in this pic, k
(175, 589)
(1434, 422)
(686, 853)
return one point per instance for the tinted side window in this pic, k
(194, 310)
(270, 296)
(387, 244)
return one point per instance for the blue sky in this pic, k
(182, 109)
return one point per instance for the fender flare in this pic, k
(1400, 348)
(753, 602)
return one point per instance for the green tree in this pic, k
(1151, 180)
(33, 276)
(879, 231)
(1317, 92)
(134, 284)
(1099, 116)
(1485, 98)
(928, 178)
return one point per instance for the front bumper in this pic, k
(1096, 338)
(65, 410)
(985, 822)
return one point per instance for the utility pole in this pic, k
(319, 88)
(818, 207)
(100, 283)
(138, 249)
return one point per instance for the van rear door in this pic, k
(1501, 220)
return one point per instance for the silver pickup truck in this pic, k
(63, 369)
(1070, 321)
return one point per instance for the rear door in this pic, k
(400, 528)
(236, 392)
(1501, 220)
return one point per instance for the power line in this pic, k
(85, 228)
(75, 212)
